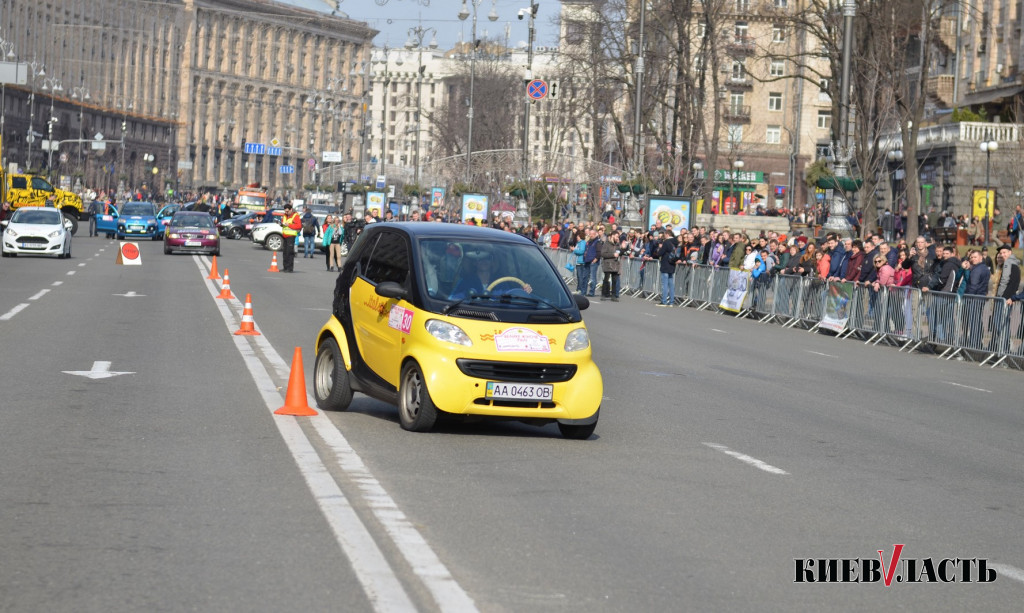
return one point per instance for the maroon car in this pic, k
(192, 232)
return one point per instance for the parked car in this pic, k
(240, 225)
(36, 230)
(192, 232)
(443, 318)
(134, 219)
(270, 235)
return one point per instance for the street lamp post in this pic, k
(81, 94)
(38, 70)
(698, 167)
(54, 85)
(737, 167)
(6, 52)
(632, 214)
(988, 147)
(383, 58)
(463, 14)
(416, 36)
(522, 213)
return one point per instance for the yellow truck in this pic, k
(31, 190)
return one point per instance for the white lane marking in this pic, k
(81, 264)
(56, 283)
(977, 389)
(748, 459)
(130, 294)
(820, 353)
(650, 314)
(1008, 571)
(71, 272)
(719, 331)
(40, 294)
(100, 370)
(378, 579)
(9, 314)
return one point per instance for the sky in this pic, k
(394, 18)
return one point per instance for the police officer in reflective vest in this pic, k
(290, 226)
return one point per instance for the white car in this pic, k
(37, 230)
(270, 236)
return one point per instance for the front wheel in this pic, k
(331, 387)
(578, 432)
(416, 410)
(275, 242)
(236, 233)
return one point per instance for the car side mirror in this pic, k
(3, 224)
(390, 289)
(582, 302)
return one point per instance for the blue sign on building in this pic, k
(288, 170)
(255, 148)
(273, 150)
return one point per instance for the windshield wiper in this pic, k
(471, 297)
(538, 300)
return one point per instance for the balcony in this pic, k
(940, 88)
(736, 112)
(741, 46)
(962, 132)
(744, 82)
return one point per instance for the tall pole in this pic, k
(6, 51)
(54, 86)
(837, 219)
(632, 214)
(38, 70)
(522, 212)
(416, 36)
(463, 14)
(988, 147)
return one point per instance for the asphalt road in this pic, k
(726, 449)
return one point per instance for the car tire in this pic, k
(74, 222)
(216, 253)
(331, 387)
(416, 410)
(167, 250)
(274, 242)
(577, 432)
(236, 233)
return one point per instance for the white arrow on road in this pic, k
(130, 295)
(100, 370)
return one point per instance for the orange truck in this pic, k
(252, 198)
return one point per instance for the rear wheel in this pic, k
(331, 386)
(416, 410)
(73, 218)
(236, 233)
(275, 242)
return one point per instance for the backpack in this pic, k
(308, 227)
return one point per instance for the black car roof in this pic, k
(426, 229)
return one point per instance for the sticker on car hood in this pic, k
(522, 339)
(400, 318)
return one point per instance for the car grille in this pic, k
(470, 313)
(513, 404)
(33, 240)
(516, 372)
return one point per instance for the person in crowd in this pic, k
(823, 263)
(591, 262)
(839, 250)
(668, 256)
(1016, 227)
(582, 268)
(334, 237)
(1010, 272)
(739, 252)
(610, 251)
(855, 261)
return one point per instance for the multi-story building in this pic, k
(196, 93)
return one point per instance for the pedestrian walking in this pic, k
(309, 232)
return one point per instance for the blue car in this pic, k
(131, 220)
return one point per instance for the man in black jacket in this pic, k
(668, 256)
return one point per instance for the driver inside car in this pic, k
(479, 278)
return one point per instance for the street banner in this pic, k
(736, 294)
(983, 202)
(474, 206)
(436, 197)
(837, 306)
(670, 210)
(375, 204)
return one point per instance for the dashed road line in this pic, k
(827, 355)
(70, 273)
(40, 294)
(977, 389)
(81, 264)
(57, 283)
(742, 457)
(1011, 572)
(9, 314)
(719, 331)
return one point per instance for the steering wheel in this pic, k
(501, 280)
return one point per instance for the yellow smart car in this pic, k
(457, 319)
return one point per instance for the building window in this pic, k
(773, 136)
(742, 6)
(739, 72)
(777, 68)
(741, 31)
(775, 101)
(781, 3)
(825, 119)
(778, 34)
(736, 101)
(735, 132)
(824, 85)
(702, 30)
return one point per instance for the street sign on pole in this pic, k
(536, 89)
(311, 162)
(381, 181)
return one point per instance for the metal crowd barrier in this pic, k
(979, 327)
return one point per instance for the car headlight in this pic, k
(12, 233)
(172, 235)
(578, 340)
(55, 234)
(449, 333)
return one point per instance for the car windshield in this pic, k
(37, 216)
(138, 208)
(192, 221)
(509, 275)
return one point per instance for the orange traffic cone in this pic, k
(225, 289)
(213, 271)
(248, 327)
(295, 399)
(273, 264)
